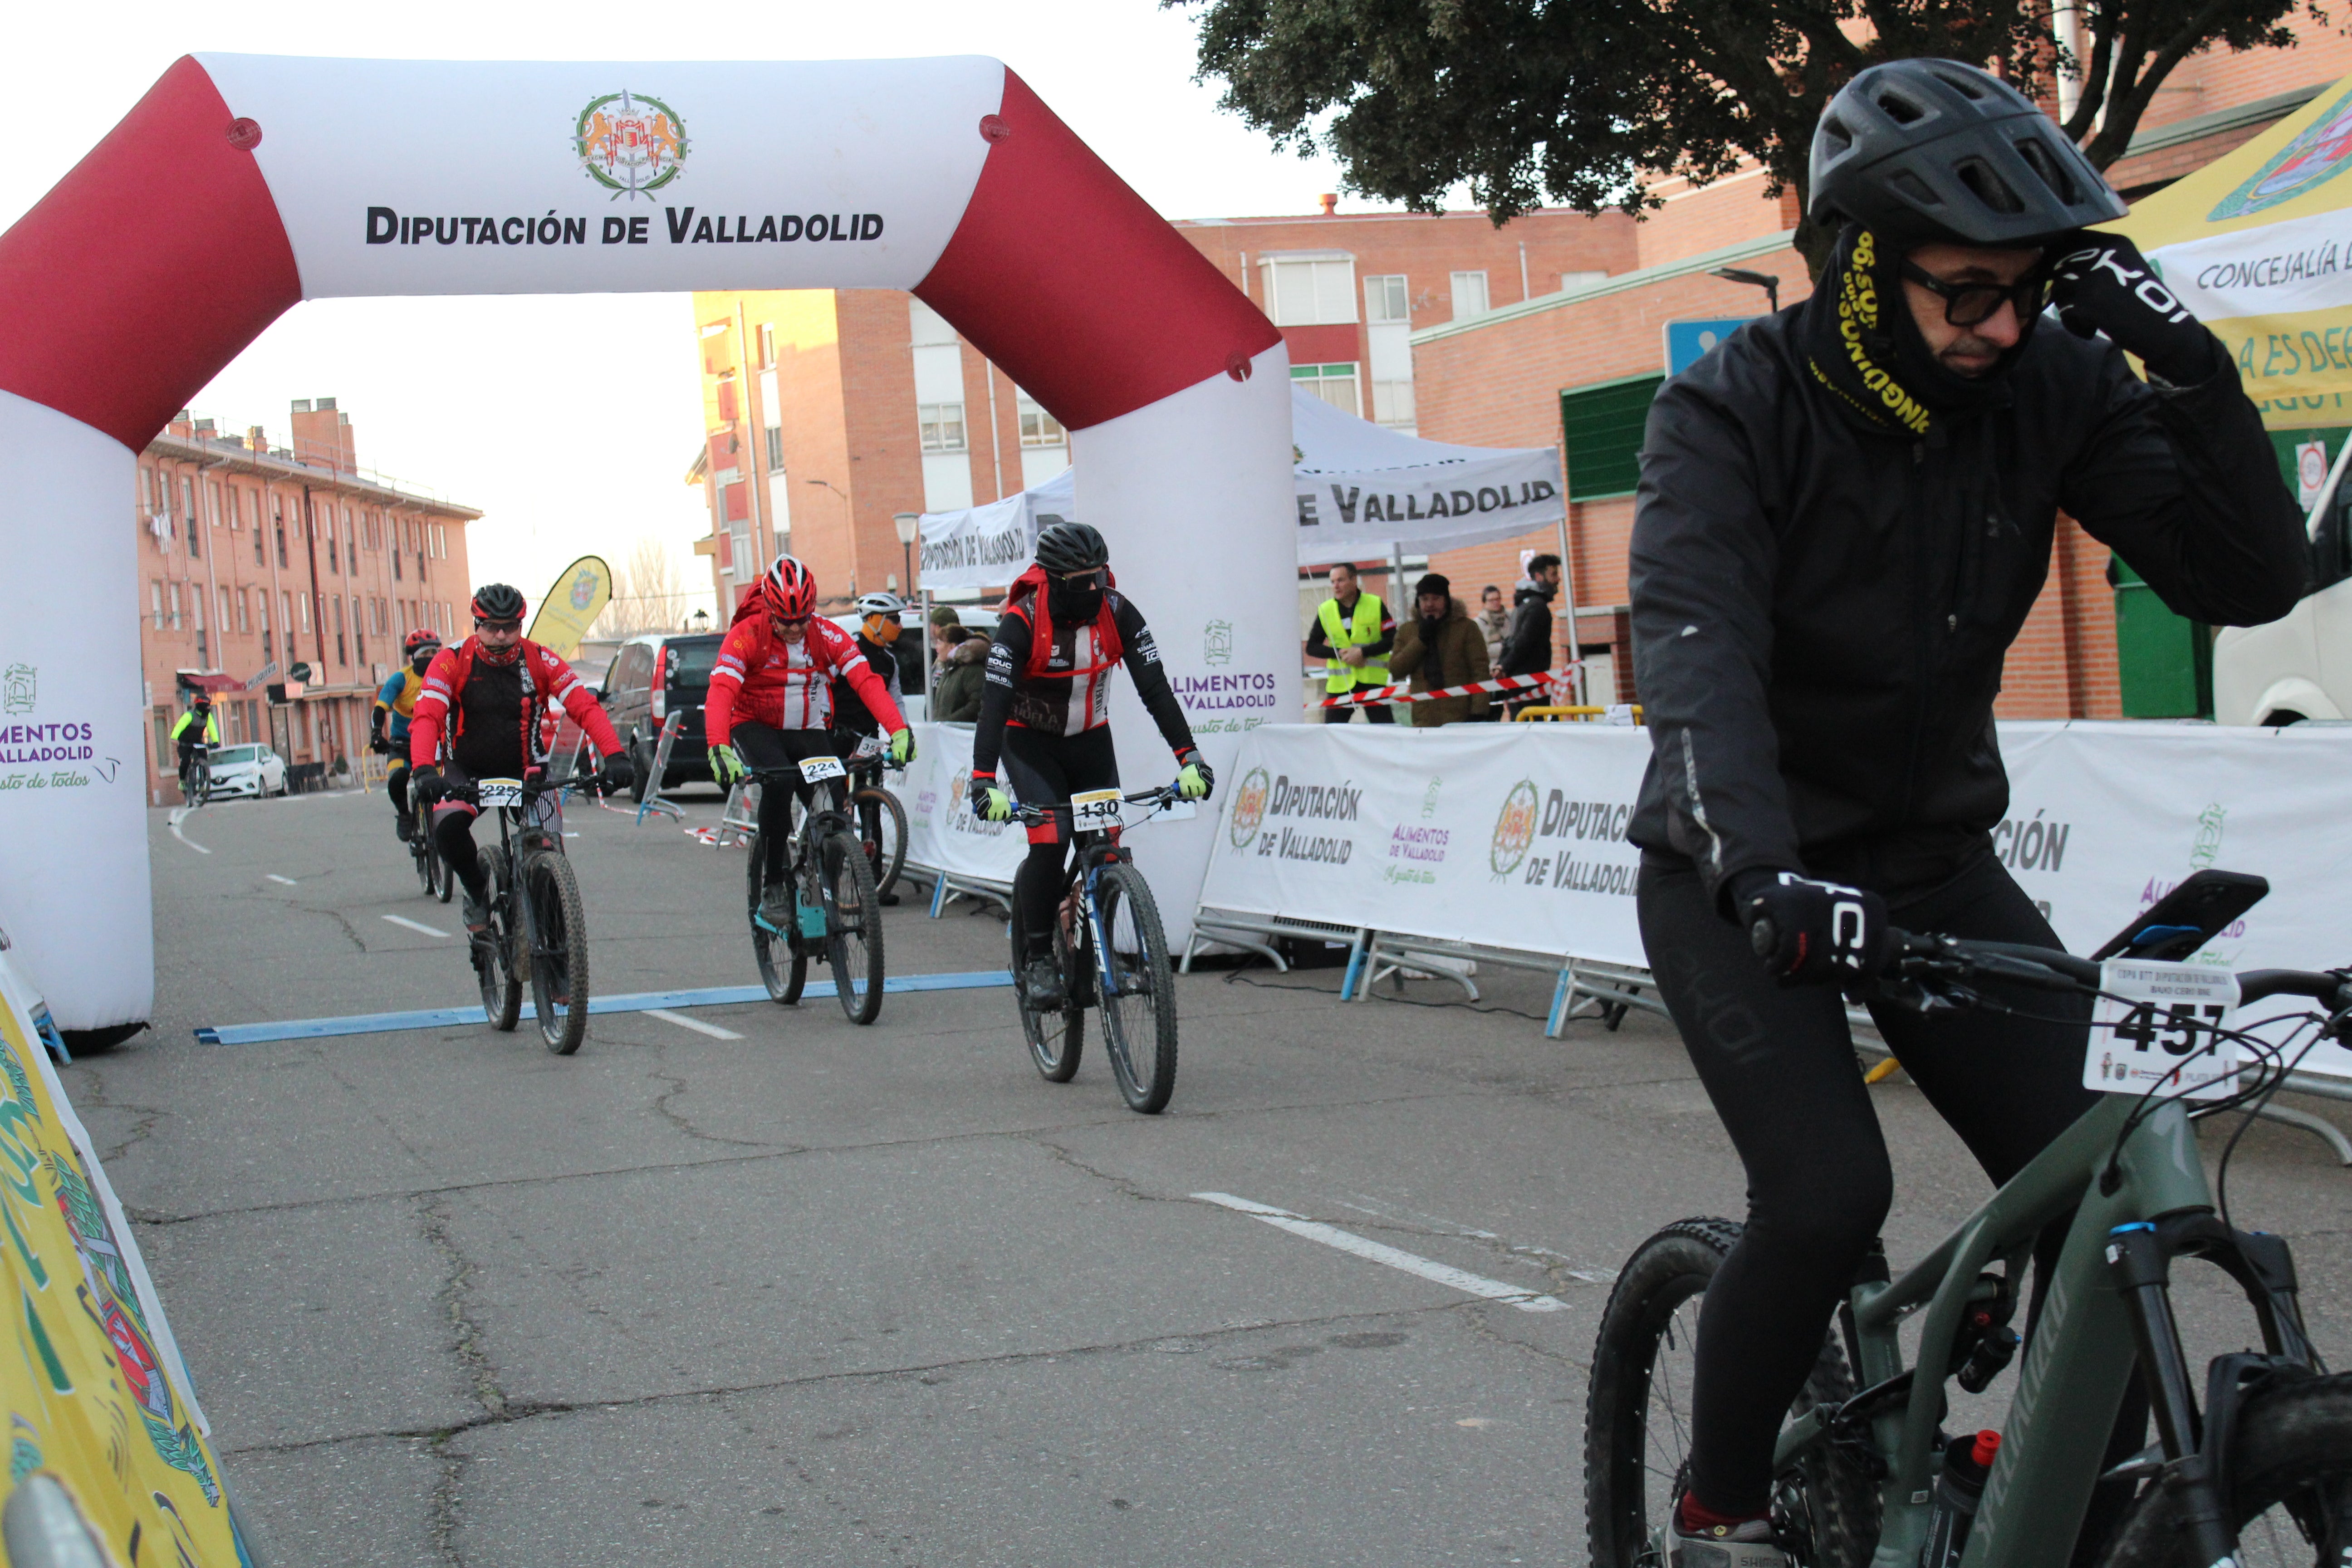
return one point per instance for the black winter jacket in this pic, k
(1820, 608)
(1527, 641)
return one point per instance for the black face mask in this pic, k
(1072, 603)
(423, 661)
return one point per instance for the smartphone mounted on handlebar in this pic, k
(2186, 918)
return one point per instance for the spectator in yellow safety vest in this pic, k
(1352, 634)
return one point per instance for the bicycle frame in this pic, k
(2083, 1351)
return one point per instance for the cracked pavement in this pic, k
(882, 1296)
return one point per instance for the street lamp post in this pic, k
(906, 522)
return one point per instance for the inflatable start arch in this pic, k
(241, 185)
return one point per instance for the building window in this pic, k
(341, 655)
(1385, 298)
(223, 622)
(1334, 383)
(767, 342)
(1392, 405)
(244, 611)
(1469, 294)
(306, 612)
(1310, 290)
(167, 755)
(942, 426)
(173, 590)
(1572, 281)
(1039, 429)
(772, 420)
(1600, 428)
(155, 600)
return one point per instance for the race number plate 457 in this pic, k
(490, 793)
(1094, 808)
(816, 769)
(2155, 1030)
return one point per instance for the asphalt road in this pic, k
(825, 1294)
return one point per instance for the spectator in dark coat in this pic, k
(960, 679)
(1441, 646)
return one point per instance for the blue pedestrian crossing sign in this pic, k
(1688, 342)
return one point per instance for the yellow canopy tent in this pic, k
(2259, 244)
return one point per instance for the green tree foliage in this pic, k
(1587, 103)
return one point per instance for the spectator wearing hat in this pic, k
(1441, 646)
(955, 694)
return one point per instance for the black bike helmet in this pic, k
(1917, 151)
(496, 602)
(1071, 547)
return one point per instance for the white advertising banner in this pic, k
(942, 831)
(1364, 489)
(987, 546)
(1513, 836)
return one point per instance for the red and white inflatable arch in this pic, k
(241, 185)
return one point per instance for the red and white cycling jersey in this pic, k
(760, 678)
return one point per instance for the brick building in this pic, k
(261, 558)
(829, 411)
(1576, 368)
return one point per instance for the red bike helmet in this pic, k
(417, 639)
(790, 589)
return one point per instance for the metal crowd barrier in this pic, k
(1256, 933)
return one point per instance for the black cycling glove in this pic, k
(2103, 284)
(426, 784)
(1813, 933)
(620, 772)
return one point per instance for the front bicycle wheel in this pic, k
(886, 847)
(445, 880)
(493, 949)
(783, 964)
(2290, 1492)
(1637, 1418)
(559, 952)
(852, 927)
(1138, 989)
(1056, 1040)
(200, 783)
(420, 851)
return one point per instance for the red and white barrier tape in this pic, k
(1558, 681)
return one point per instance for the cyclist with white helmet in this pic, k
(877, 631)
(1045, 710)
(771, 705)
(1846, 513)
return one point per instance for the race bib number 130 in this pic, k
(1094, 808)
(2155, 1030)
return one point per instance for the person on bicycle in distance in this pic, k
(1045, 710)
(478, 718)
(199, 726)
(877, 631)
(771, 705)
(388, 726)
(1846, 513)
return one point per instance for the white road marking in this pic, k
(182, 837)
(275, 877)
(697, 1024)
(417, 926)
(1525, 1300)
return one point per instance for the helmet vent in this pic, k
(1988, 186)
(2052, 171)
(1963, 83)
(1834, 134)
(1899, 108)
(1912, 186)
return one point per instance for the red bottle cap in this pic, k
(1987, 1444)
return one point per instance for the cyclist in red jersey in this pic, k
(771, 705)
(478, 718)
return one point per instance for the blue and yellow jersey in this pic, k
(399, 696)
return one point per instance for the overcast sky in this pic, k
(571, 421)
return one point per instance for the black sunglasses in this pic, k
(1973, 304)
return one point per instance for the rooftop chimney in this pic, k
(1330, 205)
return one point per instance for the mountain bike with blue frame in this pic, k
(538, 929)
(836, 910)
(2259, 1474)
(1113, 955)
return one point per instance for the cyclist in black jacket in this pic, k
(1846, 513)
(1045, 706)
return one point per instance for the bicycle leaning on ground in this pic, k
(1112, 953)
(836, 910)
(537, 927)
(2261, 1475)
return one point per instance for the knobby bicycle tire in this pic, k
(887, 854)
(784, 965)
(1633, 1469)
(494, 955)
(559, 956)
(2290, 1486)
(420, 851)
(1056, 1040)
(1135, 990)
(445, 880)
(853, 926)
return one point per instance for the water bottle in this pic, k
(1959, 1483)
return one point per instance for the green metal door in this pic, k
(2165, 662)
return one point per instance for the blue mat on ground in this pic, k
(634, 1001)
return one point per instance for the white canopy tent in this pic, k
(1363, 492)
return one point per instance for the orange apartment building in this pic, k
(830, 411)
(282, 578)
(1577, 369)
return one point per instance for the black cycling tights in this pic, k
(1041, 767)
(395, 785)
(763, 747)
(1779, 1064)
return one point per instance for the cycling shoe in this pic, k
(1041, 983)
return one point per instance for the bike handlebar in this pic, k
(1926, 959)
(1164, 795)
(464, 789)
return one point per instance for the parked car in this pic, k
(651, 676)
(254, 771)
(2300, 666)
